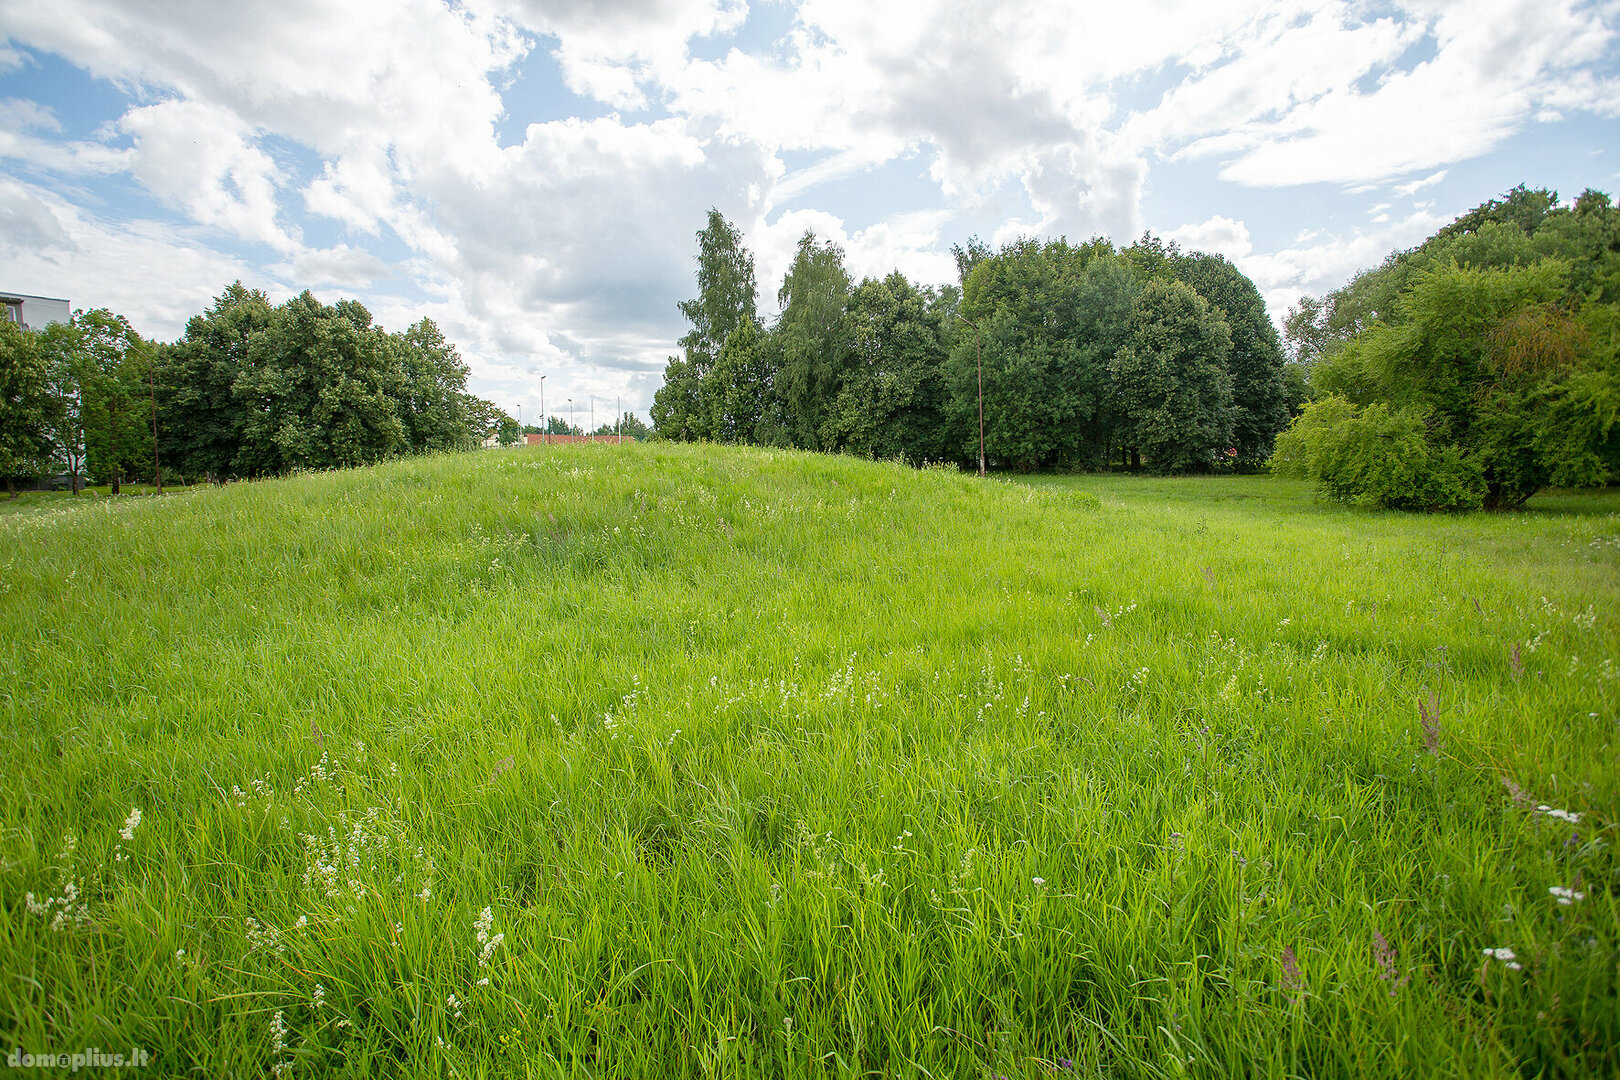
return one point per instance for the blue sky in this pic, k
(530, 174)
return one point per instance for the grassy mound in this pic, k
(663, 761)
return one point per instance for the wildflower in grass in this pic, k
(278, 1045)
(320, 996)
(481, 928)
(1039, 881)
(1565, 897)
(267, 938)
(1384, 954)
(1293, 983)
(1506, 956)
(130, 824)
(68, 908)
(454, 1004)
(1561, 815)
(502, 766)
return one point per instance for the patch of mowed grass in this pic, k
(770, 764)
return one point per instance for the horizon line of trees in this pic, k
(1146, 356)
(250, 389)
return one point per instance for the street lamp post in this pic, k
(978, 357)
(570, 418)
(545, 424)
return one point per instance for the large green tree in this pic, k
(1174, 389)
(27, 406)
(891, 402)
(727, 298)
(113, 364)
(434, 406)
(1045, 319)
(200, 415)
(1260, 396)
(319, 390)
(813, 343)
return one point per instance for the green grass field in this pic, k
(652, 761)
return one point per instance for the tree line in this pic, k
(251, 389)
(1472, 370)
(1087, 355)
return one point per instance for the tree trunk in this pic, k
(1136, 460)
(11, 487)
(115, 482)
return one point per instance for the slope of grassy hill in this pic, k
(678, 761)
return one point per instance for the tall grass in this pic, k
(782, 765)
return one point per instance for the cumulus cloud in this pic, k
(1218, 236)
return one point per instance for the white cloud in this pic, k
(1493, 62)
(200, 159)
(1408, 189)
(1218, 236)
(1317, 263)
(138, 269)
(21, 114)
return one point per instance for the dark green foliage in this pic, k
(256, 390)
(892, 399)
(318, 389)
(113, 363)
(1049, 319)
(693, 402)
(814, 342)
(1175, 392)
(27, 407)
(887, 369)
(200, 417)
(1260, 397)
(434, 406)
(738, 389)
(1499, 332)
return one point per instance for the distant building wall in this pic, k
(34, 312)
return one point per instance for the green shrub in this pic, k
(1378, 457)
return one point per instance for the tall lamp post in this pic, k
(545, 422)
(978, 357)
(570, 418)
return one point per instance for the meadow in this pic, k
(687, 761)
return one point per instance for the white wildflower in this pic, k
(1038, 881)
(1565, 896)
(320, 996)
(1507, 956)
(130, 823)
(1561, 815)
